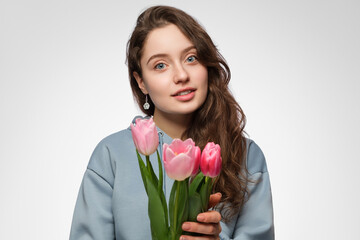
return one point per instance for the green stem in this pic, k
(148, 166)
(148, 162)
(207, 189)
(176, 208)
(160, 185)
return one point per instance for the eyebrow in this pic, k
(164, 55)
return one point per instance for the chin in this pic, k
(189, 109)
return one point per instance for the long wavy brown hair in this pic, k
(220, 119)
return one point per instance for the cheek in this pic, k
(150, 82)
(203, 79)
(156, 87)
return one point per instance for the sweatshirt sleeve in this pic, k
(255, 221)
(93, 217)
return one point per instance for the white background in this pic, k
(295, 71)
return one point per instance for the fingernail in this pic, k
(183, 238)
(185, 227)
(219, 194)
(200, 218)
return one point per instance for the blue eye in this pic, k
(191, 59)
(160, 66)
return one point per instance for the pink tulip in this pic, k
(197, 161)
(145, 136)
(181, 159)
(210, 162)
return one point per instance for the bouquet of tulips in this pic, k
(182, 160)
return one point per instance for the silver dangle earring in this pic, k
(146, 104)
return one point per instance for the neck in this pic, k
(173, 125)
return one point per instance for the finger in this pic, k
(214, 199)
(209, 217)
(209, 229)
(183, 237)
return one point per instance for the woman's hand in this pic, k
(208, 224)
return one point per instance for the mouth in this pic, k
(183, 92)
(185, 95)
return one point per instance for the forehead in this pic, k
(165, 40)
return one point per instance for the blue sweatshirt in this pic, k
(112, 202)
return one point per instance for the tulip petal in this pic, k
(189, 141)
(145, 136)
(197, 155)
(211, 161)
(179, 167)
(181, 159)
(168, 152)
(178, 146)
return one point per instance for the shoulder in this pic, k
(103, 158)
(112, 147)
(117, 139)
(255, 159)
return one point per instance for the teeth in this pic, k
(184, 93)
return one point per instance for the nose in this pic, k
(180, 74)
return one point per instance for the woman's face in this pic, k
(171, 74)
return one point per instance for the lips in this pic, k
(183, 92)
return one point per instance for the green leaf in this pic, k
(195, 206)
(205, 194)
(150, 170)
(183, 205)
(172, 204)
(143, 170)
(195, 184)
(160, 186)
(159, 227)
(178, 207)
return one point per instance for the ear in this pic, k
(140, 83)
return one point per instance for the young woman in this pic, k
(180, 79)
